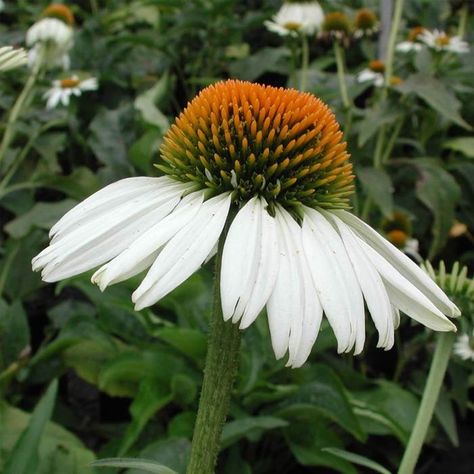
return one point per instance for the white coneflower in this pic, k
(440, 41)
(413, 42)
(374, 73)
(336, 26)
(464, 347)
(11, 58)
(365, 23)
(297, 17)
(277, 158)
(62, 90)
(52, 36)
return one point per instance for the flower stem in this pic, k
(304, 62)
(340, 60)
(463, 16)
(438, 368)
(17, 108)
(397, 17)
(219, 374)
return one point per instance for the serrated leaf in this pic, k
(378, 186)
(464, 145)
(436, 95)
(357, 459)
(134, 463)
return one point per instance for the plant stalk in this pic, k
(340, 61)
(397, 17)
(219, 373)
(463, 16)
(304, 62)
(19, 105)
(433, 385)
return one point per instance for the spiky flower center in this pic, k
(377, 66)
(442, 40)
(414, 33)
(59, 11)
(336, 22)
(365, 19)
(69, 83)
(398, 238)
(292, 25)
(252, 139)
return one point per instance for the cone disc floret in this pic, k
(59, 11)
(251, 139)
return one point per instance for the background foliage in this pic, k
(84, 376)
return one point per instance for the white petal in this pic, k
(184, 253)
(406, 296)
(143, 251)
(410, 270)
(306, 317)
(371, 285)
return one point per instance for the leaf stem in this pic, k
(463, 17)
(436, 375)
(304, 62)
(396, 20)
(340, 61)
(219, 374)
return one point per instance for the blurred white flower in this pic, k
(51, 37)
(11, 58)
(365, 23)
(63, 89)
(440, 41)
(295, 18)
(464, 347)
(373, 73)
(412, 43)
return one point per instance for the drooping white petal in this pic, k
(410, 270)
(370, 283)
(346, 286)
(249, 263)
(96, 241)
(143, 251)
(306, 318)
(109, 198)
(184, 253)
(405, 296)
(286, 301)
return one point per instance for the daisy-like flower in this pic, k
(440, 41)
(336, 26)
(275, 158)
(11, 58)
(62, 90)
(464, 346)
(413, 41)
(398, 231)
(373, 73)
(297, 18)
(365, 23)
(51, 37)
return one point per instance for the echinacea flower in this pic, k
(336, 26)
(398, 231)
(413, 42)
(297, 18)
(373, 73)
(440, 41)
(11, 58)
(464, 346)
(275, 158)
(365, 23)
(51, 37)
(62, 90)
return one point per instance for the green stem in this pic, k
(17, 108)
(294, 63)
(463, 16)
(391, 141)
(219, 374)
(340, 61)
(397, 17)
(438, 368)
(304, 62)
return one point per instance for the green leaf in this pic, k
(59, 451)
(440, 193)
(378, 186)
(436, 95)
(42, 215)
(325, 395)
(357, 459)
(464, 145)
(445, 415)
(249, 427)
(14, 332)
(188, 341)
(24, 457)
(136, 463)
